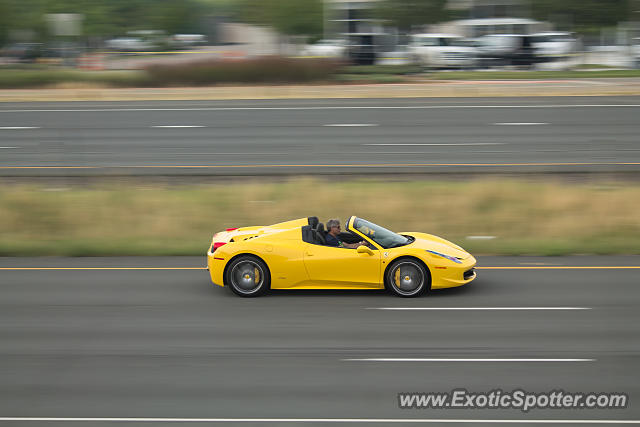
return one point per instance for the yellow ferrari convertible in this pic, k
(295, 255)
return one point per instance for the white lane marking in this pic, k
(520, 124)
(443, 359)
(428, 152)
(18, 127)
(478, 308)
(179, 126)
(336, 107)
(435, 144)
(480, 237)
(8, 148)
(190, 153)
(323, 420)
(351, 125)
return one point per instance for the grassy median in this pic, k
(270, 70)
(262, 70)
(533, 74)
(38, 78)
(543, 218)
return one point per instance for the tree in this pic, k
(407, 14)
(583, 16)
(105, 18)
(290, 17)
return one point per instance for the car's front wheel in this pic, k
(407, 278)
(247, 276)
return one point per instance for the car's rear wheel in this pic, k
(247, 276)
(407, 278)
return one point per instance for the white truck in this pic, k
(635, 52)
(554, 45)
(441, 51)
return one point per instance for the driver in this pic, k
(332, 239)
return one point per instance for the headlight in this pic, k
(450, 258)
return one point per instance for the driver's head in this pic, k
(333, 227)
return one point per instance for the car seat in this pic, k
(319, 234)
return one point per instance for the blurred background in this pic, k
(414, 36)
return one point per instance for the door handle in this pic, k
(308, 253)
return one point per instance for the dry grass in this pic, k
(526, 217)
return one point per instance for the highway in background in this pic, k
(168, 344)
(360, 136)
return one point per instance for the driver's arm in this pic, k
(354, 245)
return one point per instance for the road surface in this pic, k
(367, 136)
(166, 344)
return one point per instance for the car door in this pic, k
(342, 268)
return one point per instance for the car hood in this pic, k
(438, 244)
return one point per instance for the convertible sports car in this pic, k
(293, 255)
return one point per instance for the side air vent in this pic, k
(469, 274)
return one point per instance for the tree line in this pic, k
(110, 18)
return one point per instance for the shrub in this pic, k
(269, 69)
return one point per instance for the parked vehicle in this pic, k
(552, 46)
(129, 44)
(474, 28)
(441, 51)
(184, 41)
(635, 51)
(23, 52)
(506, 49)
(140, 41)
(326, 49)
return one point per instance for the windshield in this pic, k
(453, 41)
(385, 238)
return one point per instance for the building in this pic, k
(352, 21)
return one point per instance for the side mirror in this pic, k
(364, 250)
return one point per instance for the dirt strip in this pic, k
(441, 88)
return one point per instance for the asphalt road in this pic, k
(355, 136)
(168, 344)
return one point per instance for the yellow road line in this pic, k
(370, 165)
(103, 268)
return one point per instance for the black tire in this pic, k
(407, 278)
(247, 276)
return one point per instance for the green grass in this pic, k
(209, 72)
(369, 78)
(38, 78)
(382, 69)
(588, 67)
(376, 73)
(530, 75)
(537, 218)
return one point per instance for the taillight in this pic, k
(231, 229)
(216, 245)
